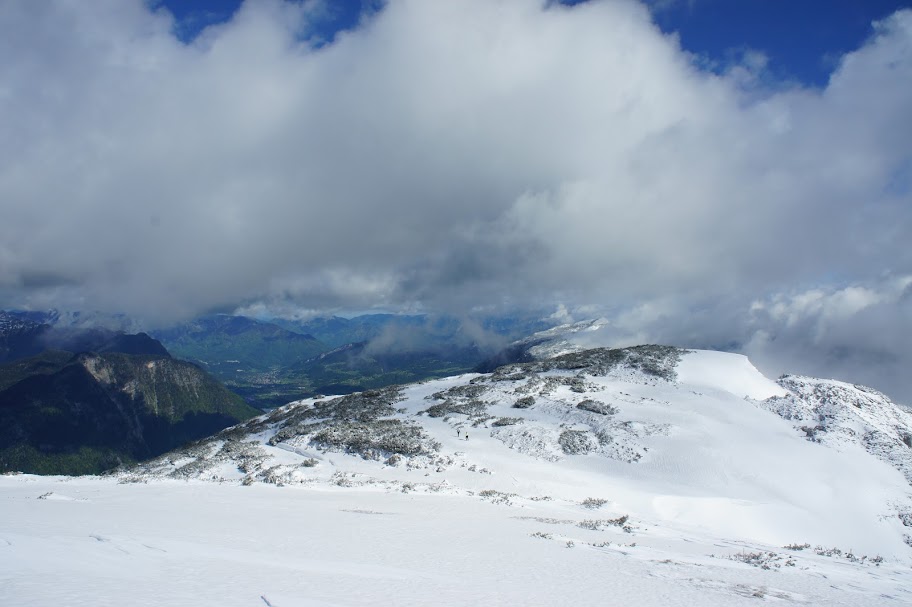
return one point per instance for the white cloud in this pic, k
(443, 155)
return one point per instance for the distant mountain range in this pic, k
(22, 335)
(235, 344)
(61, 416)
(273, 362)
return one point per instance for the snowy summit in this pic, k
(627, 476)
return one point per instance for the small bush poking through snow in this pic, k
(577, 384)
(577, 442)
(472, 408)
(497, 497)
(849, 556)
(594, 406)
(598, 525)
(763, 560)
(372, 440)
(524, 403)
(593, 503)
(507, 421)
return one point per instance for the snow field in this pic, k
(198, 543)
(656, 492)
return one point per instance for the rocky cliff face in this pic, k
(84, 413)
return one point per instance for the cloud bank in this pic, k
(452, 156)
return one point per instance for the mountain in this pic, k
(64, 413)
(643, 476)
(546, 343)
(271, 363)
(362, 366)
(396, 349)
(21, 336)
(845, 416)
(238, 341)
(248, 355)
(411, 333)
(693, 437)
(48, 317)
(336, 331)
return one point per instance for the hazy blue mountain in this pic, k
(224, 342)
(360, 366)
(21, 336)
(337, 331)
(273, 362)
(249, 356)
(417, 332)
(270, 363)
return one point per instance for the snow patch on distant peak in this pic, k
(727, 372)
(569, 329)
(569, 338)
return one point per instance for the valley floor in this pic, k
(94, 541)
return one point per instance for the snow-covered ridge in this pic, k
(564, 339)
(682, 437)
(10, 324)
(640, 473)
(727, 372)
(839, 415)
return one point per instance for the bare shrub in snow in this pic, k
(373, 440)
(472, 408)
(577, 384)
(524, 403)
(849, 556)
(593, 503)
(600, 524)
(594, 406)
(577, 442)
(763, 560)
(507, 421)
(467, 391)
(497, 497)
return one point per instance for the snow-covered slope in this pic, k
(596, 476)
(732, 373)
(845, 416)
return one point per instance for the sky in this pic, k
(698, 172)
